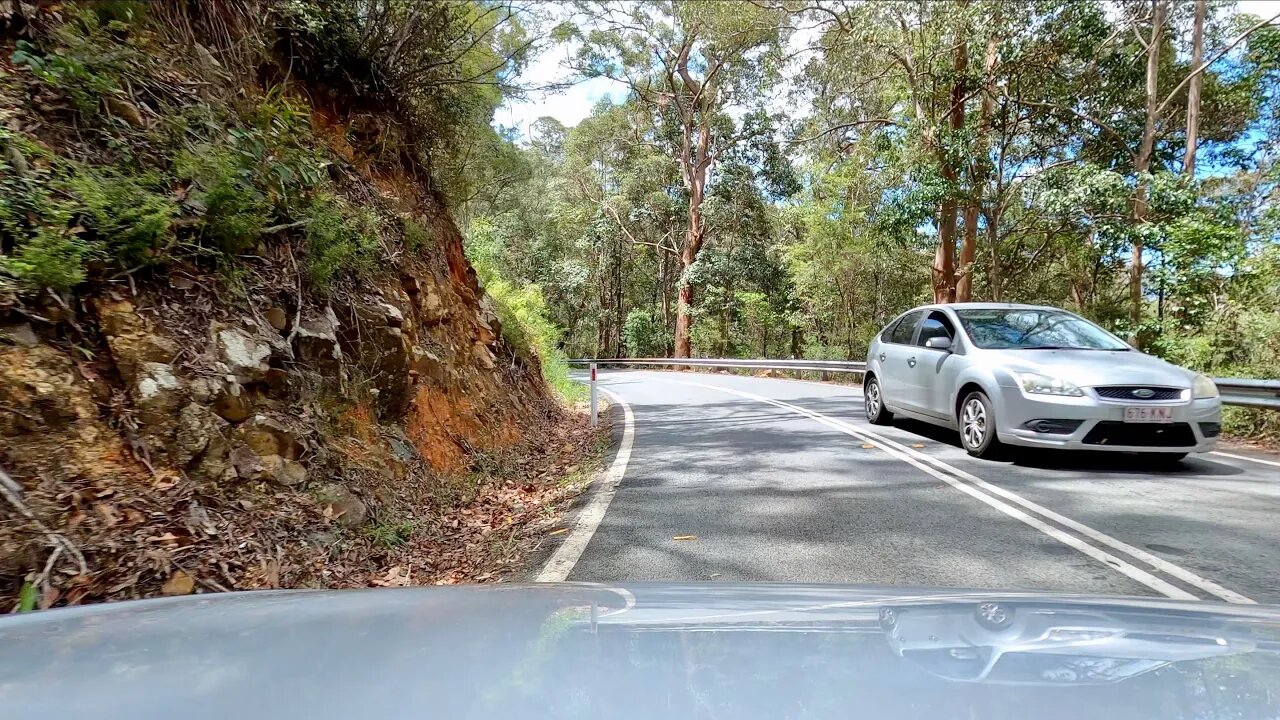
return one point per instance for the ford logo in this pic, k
(1144, 393)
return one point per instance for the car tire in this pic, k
(993, 615)
(873, 402)
(977, 422)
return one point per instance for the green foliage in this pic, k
(339, 240)
(415, 235)
(645, 334)
(48, 258)
(233, 210)
(129, 219)
(390, 535)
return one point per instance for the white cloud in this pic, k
(569, 105)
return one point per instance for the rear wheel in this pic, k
(993, 615)
(873, 400)
(978, 426)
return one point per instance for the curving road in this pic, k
(785, 480)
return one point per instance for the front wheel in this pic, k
(873, 400)
(978, 426)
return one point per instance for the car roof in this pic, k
(986, 306)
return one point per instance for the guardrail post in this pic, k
(595, 418)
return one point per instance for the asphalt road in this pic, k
(786, 481)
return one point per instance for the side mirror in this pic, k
(938, 343)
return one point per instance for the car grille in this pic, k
(1111, 432)
(1126, 392)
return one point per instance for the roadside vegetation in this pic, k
(774, 179)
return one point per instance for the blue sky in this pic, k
(574, 103)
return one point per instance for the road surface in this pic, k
(771, 479)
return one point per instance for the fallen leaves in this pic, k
(558, 531)
(867, 446)
(179, 583)
(684, 537)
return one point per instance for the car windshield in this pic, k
(1031, 329)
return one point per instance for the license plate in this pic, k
(1148, 414)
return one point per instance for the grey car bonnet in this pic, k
(640, 651)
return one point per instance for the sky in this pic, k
(572, 104)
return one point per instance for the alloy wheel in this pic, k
(974, 422)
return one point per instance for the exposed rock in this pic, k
(199, 432)
(482, 355)
(207, 60)
(316, 341)
(157, 392)
(132, 340)
(244, 354)
(267, 436)
(277, 318)
(233, 403)
(249, 465)
(41, 391)
(428, 366)
(432, 308)
(21, 334)
(393, 316)
(342, 505)
(124, 110)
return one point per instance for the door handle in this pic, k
(911, 362)
(881, 357)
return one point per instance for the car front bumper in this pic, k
(1102, 426)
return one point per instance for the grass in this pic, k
(390, 535)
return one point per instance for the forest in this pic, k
(779, 179)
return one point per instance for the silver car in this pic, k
(1037, 377)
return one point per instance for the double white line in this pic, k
(1024, 511)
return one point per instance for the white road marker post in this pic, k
(595, 418)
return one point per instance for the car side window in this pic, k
(936, 325)
(906, 327)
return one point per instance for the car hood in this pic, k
(1088, 368)
(630, 651)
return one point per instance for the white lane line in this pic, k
(1272, 463)
(927, 464)
(567, 555)
(1098, 536)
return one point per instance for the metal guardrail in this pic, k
(810, 365)
(1249, 392)
(1241, 392)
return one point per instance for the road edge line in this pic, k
(566, 556)
(1119, 565)
(1246, 458)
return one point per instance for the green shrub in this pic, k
(234, 210)
(50, 258)
(645, 334)
(415, 235)
(526, 328)
(127, 218)
(339, 241)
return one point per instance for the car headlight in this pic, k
(1038, 384)
(1204, 387)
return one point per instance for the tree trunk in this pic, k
(969, 244)
(1143, 163)
(944, 263)
(1193, 92)
(693, 243)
